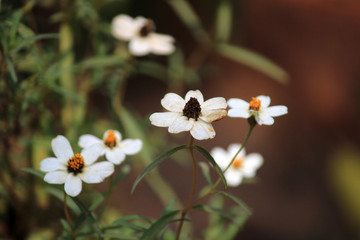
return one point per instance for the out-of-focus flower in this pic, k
(140, 32)
(244, 166)
(112, 146)
(191, 114)
(72, 169)
(257, 107)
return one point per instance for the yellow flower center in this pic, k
(110, 139)
(76, 164)
(237, 163)
(255, 104)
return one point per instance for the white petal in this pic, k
(57, 177)
(202, 130)
(221, 157)
(88, 140)
(213, 115)
(92, 153)
(139, 22)
(195, 94)
(276, 111)
(233, 148)
(62, 148)
(233, 177)
(264, 118)
(181, 124)
(131, 146)
(117, 134)
(73, 185)
(52, 164)
(115, 155)
(97, 172)
(161, 44)
(123, 27)
(173, 102)
(214, 103)
(238, 108)
(139, 46)
(252, 162)
(164, 119)
(265, 100)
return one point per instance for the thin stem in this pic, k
(210, 191)
(191, 196)
(67, 215)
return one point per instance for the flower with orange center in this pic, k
(244, 166)
(113, 147)
(258, 108)
(71, 169)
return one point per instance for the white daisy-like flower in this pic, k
(141, 36)
(244, 166)
(257, 107)
(72, 169)
(112, 146)
(191, 114)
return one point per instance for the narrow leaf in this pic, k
(27, 41)
(224, 214)
(11, 68)
(34, 172)
(154, 164)
(236, 200)
(59, 194)
(159, 225)
(207, 155)
(206, 172)
(223, 22)
(253, 60)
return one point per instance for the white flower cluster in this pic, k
(196, 115)
(71, 169)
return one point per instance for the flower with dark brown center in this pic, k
(192, 109)
(75, 164)
(147, 28)
(110, 139)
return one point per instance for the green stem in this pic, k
(67, 215)
(191, 195)
(210, 191)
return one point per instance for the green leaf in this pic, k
(132, 217)
(253, 60)
(152, 232)
(59, 194)
(206, 172)
(154, 164)
(65, 225)
(223, 22)
(207, 155)
(30, 40)
(34, 172)
(88, 215)
(152, 69)
(103, 61)
(187, 14)
(12, 70)
(236, 200)
(224, 214)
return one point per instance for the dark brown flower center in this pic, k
(147, 28)
(76, 164)
(110, 139)
(192, 109)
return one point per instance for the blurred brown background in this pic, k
(307, 188)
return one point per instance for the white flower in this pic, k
(141, 36)
(191, 114)
(257, 107)
(244, 166)
(112, 146)
(72, 169)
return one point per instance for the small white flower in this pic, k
(141, 36)
(191, 114)
(112, 146)
(244, 166)
(257, 107)
(72, 169)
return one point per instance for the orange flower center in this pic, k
(255, 104)
(238, 162)
(76, 164)
(110, 139)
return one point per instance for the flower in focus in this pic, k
(191, 114)
(72, 169)
(112, 146)
(141, 36)
(244, 166)
(257, 107)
